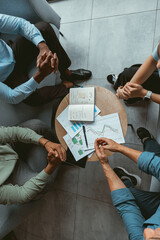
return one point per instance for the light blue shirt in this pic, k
(15, 25)
(126, 204)
(156, 57)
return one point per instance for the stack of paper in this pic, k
(107, 126)
(75, 137)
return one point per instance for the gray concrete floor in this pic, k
(104, 36)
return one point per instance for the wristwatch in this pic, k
(148, 95)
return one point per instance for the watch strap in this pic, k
(148, 95)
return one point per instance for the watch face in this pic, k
(148, 95)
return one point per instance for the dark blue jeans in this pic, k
(148, 202)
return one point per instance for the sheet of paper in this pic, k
(81, 112)
(106, 126)
(82, 95)
(90, 155)
(76, 145)
(72, 128)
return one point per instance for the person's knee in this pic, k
(126, 73)
(43, 27)
(33, 124)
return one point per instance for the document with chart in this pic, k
(74, 127)
(76, 145)
(81, 104)
(107, 126)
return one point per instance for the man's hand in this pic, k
(44, 52)
(44, 70)
(56, 150)
(108, 144)
(53, 162)
(133, 90)
(99, 147)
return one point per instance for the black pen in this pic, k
(84, 131)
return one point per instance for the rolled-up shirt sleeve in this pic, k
(19, 93)
(130, 213)
(149, 163)
(14, 194)
(155, 53)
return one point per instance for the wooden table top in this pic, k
(107, 102)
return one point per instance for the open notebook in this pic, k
(81, 104)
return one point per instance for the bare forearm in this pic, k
(43, 141)
(50, 168)
(155, 98)
(145, 71)
(113, 180)
(131, 153)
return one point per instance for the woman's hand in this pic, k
(133, 90)
(121, 94)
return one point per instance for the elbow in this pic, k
(14, 101)
(13, 98)
(25, 198)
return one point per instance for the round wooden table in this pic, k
(107, 102)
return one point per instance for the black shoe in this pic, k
(124, 175)
(79, 74)
(112, 79)
(144, 134)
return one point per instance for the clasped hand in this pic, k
(55, 152)
(131, 90)
(46, 59)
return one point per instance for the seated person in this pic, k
(39, 41)
(139, 81)
(27, 168)
(140, 210)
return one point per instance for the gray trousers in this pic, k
(32, 158)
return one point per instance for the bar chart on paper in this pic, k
(71, 127)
